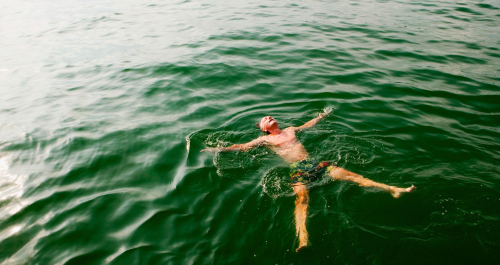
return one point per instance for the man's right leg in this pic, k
(301, 213)
(342, 174)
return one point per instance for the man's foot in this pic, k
(301, 247)
(303, 237)
(396, 192)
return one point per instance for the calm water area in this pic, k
(106, 105)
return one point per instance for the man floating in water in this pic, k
(303, 169)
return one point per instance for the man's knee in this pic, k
(338, 173)
(301, 192)
(302, 198)
(341, 173)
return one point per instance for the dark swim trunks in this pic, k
(309, 170)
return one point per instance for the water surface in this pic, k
(105, 106)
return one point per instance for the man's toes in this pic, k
(410, 189)
(300, 247)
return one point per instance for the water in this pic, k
(105, 106)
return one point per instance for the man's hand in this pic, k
(211, 149)
(234, 147)
(326, 112)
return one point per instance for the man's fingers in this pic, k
(328, 110)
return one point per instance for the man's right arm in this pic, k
(237, 147)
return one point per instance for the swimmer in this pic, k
(303, 169)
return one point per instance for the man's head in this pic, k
(267, 123)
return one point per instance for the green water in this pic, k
(105, 106)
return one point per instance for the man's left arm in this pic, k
(314, 121)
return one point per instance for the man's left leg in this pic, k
(301, 213)
(342, 174)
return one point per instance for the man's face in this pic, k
(267, 123)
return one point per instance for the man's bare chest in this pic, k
(283, 139)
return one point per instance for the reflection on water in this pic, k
(11, 191)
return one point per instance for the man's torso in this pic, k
(287, 146)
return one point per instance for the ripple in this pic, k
(108, 106)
